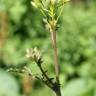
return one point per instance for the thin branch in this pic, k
(45, 75)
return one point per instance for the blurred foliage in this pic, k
(9, 86)
(76, 47)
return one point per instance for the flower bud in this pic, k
(34, 54)
(53, 2)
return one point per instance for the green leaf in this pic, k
(8, 85)
(78, 87)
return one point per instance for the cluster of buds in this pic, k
(49, 9)
(43, 3)
(35, 55)
(49, 25)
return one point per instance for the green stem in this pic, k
(53, 37)
(58, 93)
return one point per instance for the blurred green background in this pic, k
(21, 27)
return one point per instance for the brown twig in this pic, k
(53, 37)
